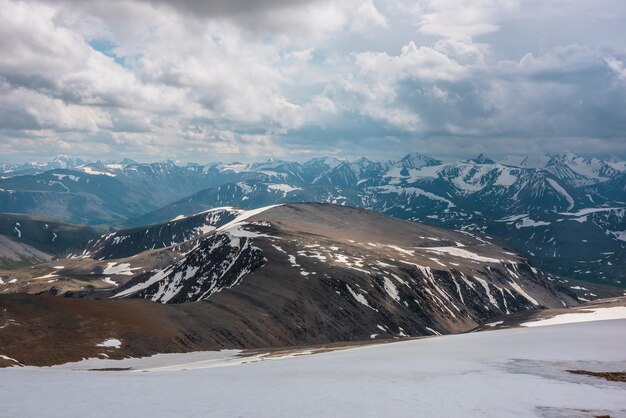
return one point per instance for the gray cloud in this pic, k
(230, 7)
(196, 80)
(216, 8)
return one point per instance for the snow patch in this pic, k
(556, 186)
(529, 223)
(110, 343)
(459, 252)
(121, 269)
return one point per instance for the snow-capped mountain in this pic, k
(472, 194)
(350, 173)
(60, 161)
(417, 160)
(572, 169)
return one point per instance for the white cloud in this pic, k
(367, 18)
(375, 79)
(617, 67)
(460, 19)
(205, 80)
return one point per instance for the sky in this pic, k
(243, 80)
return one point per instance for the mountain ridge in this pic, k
(472, 195)
(276, 276)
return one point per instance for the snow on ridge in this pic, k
(158, 276)
(459, 252)
(236, 232)
(94, 172)
(469, 179)
(505, 178)
(617, 165)
(232, 230)
(512, 218)
(235, 167)
(587, 211)
(413, 191)
(217, 209)
(619, 235)
(556, 186)
(245, 215)
(2, 356)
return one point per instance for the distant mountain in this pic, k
(417, 160)
(572, 169)
(99, 193)
(482, 159)
(471, 195)
(60, 161)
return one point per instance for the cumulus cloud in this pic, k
(207, 80)
(617, 66)
(460, 19)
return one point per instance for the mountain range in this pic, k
(564, 212)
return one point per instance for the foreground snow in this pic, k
(584, 315)
(505, 373)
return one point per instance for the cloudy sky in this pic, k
(246, 79)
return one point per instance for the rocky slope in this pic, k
(133, 241)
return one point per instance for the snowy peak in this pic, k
(575, 170)
(538, 160)
(323, 162)
(65, 161)
(127, 161)
(350, 174)
(482, 159)
(417, 160)
(590, 168)
(362, 162)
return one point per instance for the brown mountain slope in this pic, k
(280, 276)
